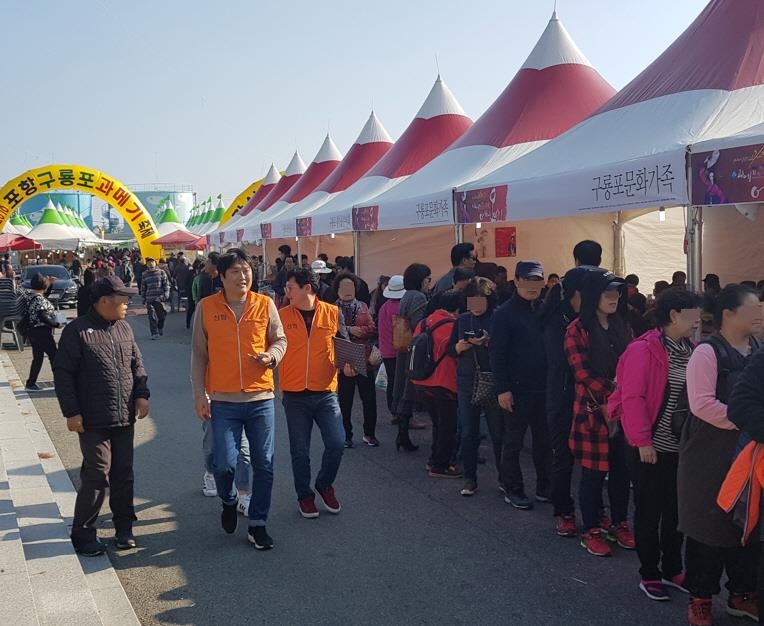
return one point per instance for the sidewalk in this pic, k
(42, 581)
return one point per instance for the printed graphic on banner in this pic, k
(304, 226)
(366, 217)
(634, 186)
(239, 235)
(505, 238)
(75, 177)
(482, 205)
(265, 231)
(728, 176)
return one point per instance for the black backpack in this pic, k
(422, 363)
(727, 374)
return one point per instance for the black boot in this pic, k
(403, 440)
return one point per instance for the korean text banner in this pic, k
(728, 176)
(481, 205)
(431, 210)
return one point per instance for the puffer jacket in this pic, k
(98, 372)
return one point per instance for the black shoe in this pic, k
(349, 442)
(89, 548)
(447, 472)
(519, 500)
(34, 387)
(124, 541)
(259, 538)
(161, 332)
(543, 495)
(229, 518)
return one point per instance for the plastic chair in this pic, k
(10, 324)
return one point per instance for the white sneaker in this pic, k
(209, 488)
(243, 506)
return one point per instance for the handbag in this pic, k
(375, 357)
(402, 333)
(614, 428)
(483, 387)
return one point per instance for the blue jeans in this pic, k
(256, 419)
(241, 478)
(302, 409)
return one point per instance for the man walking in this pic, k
(102, 388)
(308, 380)
(155, 289)
(209, 279)
(237, 341)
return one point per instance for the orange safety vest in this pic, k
(309, 360)
(230, 344)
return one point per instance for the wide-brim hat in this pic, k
(394, 289)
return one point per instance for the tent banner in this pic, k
(281, 229)
(647, 182)
(304, 226)
(265, 231)
(728, 176)
(481, 205)
(335, 222)
(431, 210)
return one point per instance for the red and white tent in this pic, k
(372, 144)
(631, 153)
(227, 232)
(554, 89)
(439, 122)
(294, 171)
(324, 163)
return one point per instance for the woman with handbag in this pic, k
(361, 329)
(42, 321)
(651, 400)
(475, 389)
(416, 281)
(387, 312)
(593, 344)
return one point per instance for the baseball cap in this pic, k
(110, 285)
(529, 269)
(319, 267)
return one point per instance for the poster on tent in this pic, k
(366, 217)
(482, 205)
(505, 240)
(728, 176)
(304, 226)
(265, 231)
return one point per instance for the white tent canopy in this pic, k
(228, 230)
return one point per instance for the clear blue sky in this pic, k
(209, 93)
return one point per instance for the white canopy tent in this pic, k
(227, 232)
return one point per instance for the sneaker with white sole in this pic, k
(259, 538)
(209, 488)
(243, 506)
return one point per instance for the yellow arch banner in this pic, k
(75, 177)
(240, 201)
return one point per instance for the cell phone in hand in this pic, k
(469, 334)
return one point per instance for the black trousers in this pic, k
(659, 543)
(41, 338)
(157, 314)
(618, 485)
(390, 371)
(190, 308)
(528, 411)
(346, 386)
(562, 463)
(107, 462)
(705, 565)
(440, 404)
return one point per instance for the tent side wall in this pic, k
(733, 246)
(654, 250)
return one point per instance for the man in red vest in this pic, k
(237, 341)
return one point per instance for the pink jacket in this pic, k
(641, 376)
(385, 326)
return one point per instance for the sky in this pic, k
(208, 94)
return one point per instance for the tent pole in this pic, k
(618, 261)
(299, 252)
(695, 247)
(459, 233)
(356, 253)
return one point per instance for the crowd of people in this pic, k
(639, 391)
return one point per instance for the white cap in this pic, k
(319, 267)
(394, 289)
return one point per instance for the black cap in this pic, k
(573, 281)
(529, 269)
(110, 285)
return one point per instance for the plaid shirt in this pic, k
(155, 285)
(589, 433)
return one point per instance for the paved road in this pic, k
(406, 549)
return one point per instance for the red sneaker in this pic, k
(699, 612)
(307, 506)
(330, 500)
(605, 523)
(566, 526)
(743, 605)
(621, 535)
(594, 543)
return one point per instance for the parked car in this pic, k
(64, 289)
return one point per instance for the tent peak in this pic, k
(296, 165)
(272, 176)
(373, 132)
(555, 47)
(328, 151)
(440, 101)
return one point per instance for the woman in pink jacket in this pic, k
(651, 395)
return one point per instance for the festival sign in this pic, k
(481, 205)
(728, 176)
(75, 177)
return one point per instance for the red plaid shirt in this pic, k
(589, 433)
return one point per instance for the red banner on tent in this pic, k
(482, 205)
(729, 176)
(505, 239)
(366, 217)
(304, 226)
(265, 231)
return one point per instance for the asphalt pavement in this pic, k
(406, 548)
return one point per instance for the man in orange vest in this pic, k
(308, 380)
(237, 341)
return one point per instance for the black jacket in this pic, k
(560, 387)
(98, 372)
(465, 365)
(518, 359)
(746, 403)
